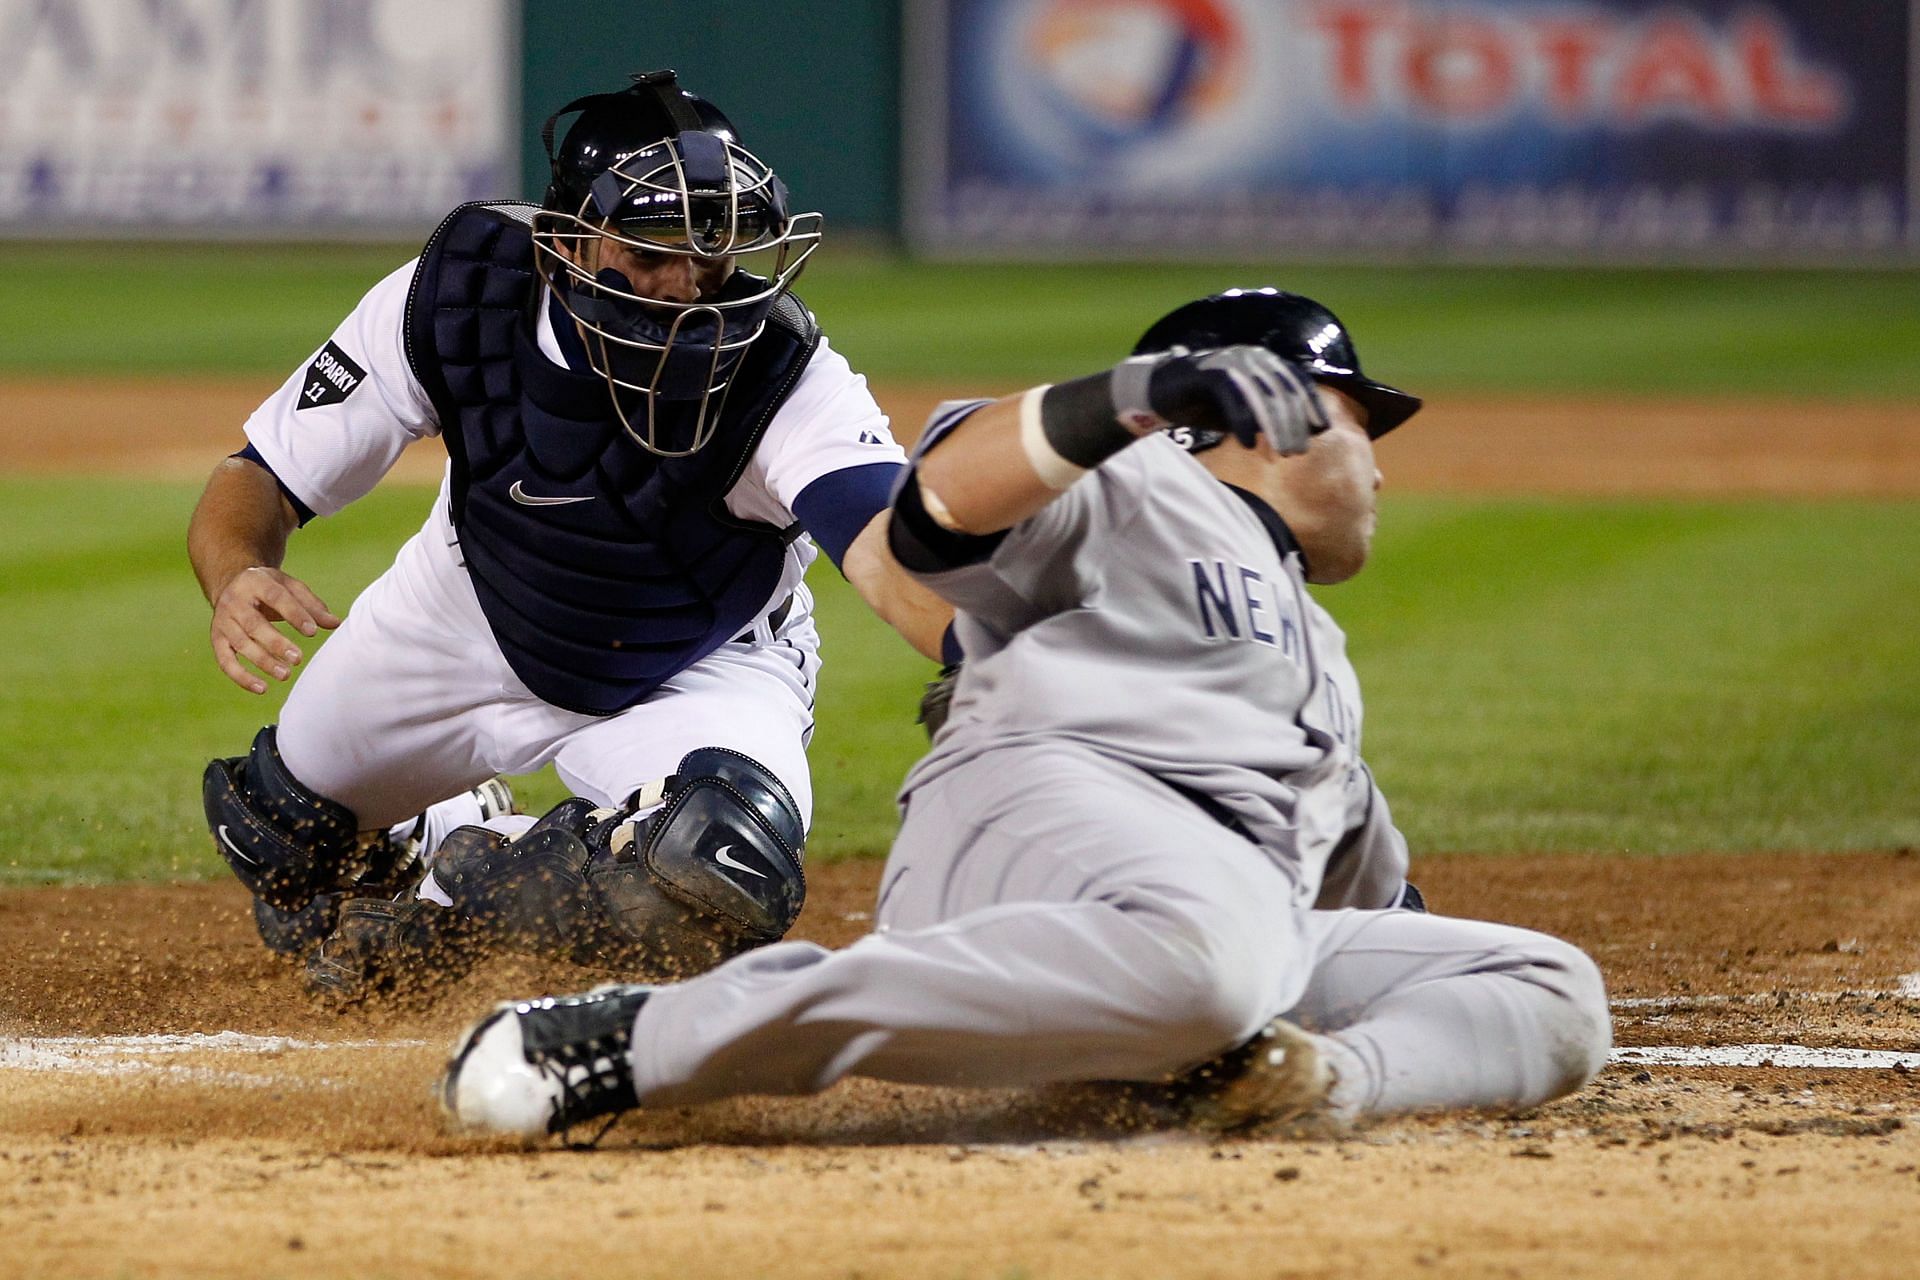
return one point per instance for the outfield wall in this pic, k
(1573, 130)
(814, 87)
(1600, 129)
(253, 117)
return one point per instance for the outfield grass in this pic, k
(1631, 675)
(145, 309)
(1561, 676)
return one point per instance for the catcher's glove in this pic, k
(937, 700)
(386, 948)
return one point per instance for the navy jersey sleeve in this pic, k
(837, 506)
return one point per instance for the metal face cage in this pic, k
(668, 362)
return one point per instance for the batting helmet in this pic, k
(658, 171)
(1286, 324)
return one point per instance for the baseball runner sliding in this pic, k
(1144, 846)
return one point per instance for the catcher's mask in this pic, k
(659, 172)
(1286, 324)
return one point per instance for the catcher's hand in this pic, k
(1246, 391)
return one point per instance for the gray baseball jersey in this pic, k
(1049, 913)
(1219, 675)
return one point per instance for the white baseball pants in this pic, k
(411, 702)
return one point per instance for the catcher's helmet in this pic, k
(1286, 324)
(658, 171)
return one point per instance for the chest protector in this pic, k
(603, 569)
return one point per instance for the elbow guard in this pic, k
(921, 543)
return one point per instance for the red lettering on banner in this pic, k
(1781, 90)
(1576, 65)
(1571, 47)
(1460, 67)
(1353, 28)
(1206, 17)
(1672, 68)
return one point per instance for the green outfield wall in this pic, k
(813, 87)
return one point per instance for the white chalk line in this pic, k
(148, 1054)
(1908, 989)
(1907, 986)
(130, 1055)
(1763, 1055)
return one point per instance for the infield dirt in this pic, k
(306, 1144)
(327, 1161)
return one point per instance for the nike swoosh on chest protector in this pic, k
(526, 499)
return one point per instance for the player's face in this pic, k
(1327, 495)
(670, 277)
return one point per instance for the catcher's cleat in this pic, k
(534, 1067)
(1278, 1078)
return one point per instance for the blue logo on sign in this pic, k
(1120, 74)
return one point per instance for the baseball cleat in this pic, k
(535, 1067)
(1278, 1077)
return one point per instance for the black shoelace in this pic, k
(594, 1080)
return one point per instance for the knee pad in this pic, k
(725, 850)
(713, 872)
(287, 844)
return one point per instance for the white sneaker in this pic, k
(534, 1067)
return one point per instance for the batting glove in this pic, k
(1246, 391)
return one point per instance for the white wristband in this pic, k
(1053, 470)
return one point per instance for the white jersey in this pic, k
(336, 426)
(1148, 614)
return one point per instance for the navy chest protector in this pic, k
(603, 569)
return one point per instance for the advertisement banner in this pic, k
(170, 117)
(1517, 128)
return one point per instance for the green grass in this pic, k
(145, 309)
(1640, 676)
(1560, 676)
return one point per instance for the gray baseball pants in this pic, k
(1049, 915)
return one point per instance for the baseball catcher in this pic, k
(648, 441)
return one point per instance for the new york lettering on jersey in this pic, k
(1233, 601)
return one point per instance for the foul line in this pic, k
(1763, 1055)
(1908, 988)
(150, 1054)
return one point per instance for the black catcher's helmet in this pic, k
(655, 171)
(1286, 324)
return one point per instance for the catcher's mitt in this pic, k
(938, 699)
(387, 948)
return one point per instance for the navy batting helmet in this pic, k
(660, 172)
(1289, 325)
